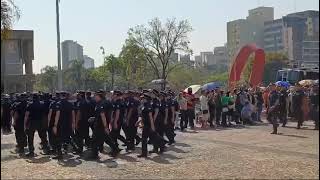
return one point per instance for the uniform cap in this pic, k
(118, 93)
(155, 92)
(145, 95)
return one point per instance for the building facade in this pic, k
(273, 36)
(71, 51)
(220, 55)
(88, 62)
(16, 62)
(207, 58)
(296, 35)
(250, 30)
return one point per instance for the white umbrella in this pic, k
(195, 88)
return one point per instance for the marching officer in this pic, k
(117, 117)
(64, 123)
(82, 116)
(101, 131)
(171, 118)
(51, 120)
(19, 110)
(33, 122)
(5, 114)
(148, 130)
(161, 120)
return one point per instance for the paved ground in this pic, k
(242, 152)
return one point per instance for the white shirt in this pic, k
(203, 103)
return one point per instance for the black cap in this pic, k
(155, 92)
(162, 93)
(117, 93)
(99, 92)
(145, 95)
(145, 91)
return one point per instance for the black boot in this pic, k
(275, 130)
(142, 155)
(30, 154)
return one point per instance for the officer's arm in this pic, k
(26, 118)
(166, 115)
(151, 121)
(116, 118)
(15, 117)
(156, 111)
(173, 113)
(78, 115)
(73, 119)
(56, 120)
(49, 116)
(129, 113)
(104, 121)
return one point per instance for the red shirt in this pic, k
(190, 102)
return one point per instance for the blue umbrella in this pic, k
(211, 86)
(284, 84)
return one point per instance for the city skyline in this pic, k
(209, 23)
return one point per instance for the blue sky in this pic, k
(95, 23)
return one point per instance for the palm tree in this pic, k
(9, 13)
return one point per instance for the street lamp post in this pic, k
(112, 67)
(58, 47)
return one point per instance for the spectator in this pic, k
(183, 110)
(204, 109)
(246, 113)
(190, 108)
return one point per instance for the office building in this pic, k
(186, 60)
(250, 30)
(207, 58)
(220, 55)
(296, 35)
(71, 51)
(88, 62)
(16, 62)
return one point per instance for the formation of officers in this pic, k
(62, 121)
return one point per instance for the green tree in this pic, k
(134, 64)
(159, 41)
(9, 13)
(47, 80)
(75, 76)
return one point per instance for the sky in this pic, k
(95, 23)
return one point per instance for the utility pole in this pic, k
(58, 47)
(112, 66)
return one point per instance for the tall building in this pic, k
(71, 51)
(249, 30)
(220, 55)
(88, 62)
(207, 58)
(16, 62)
(273, 36)
(197, 61)
(174, 57)
(186, 60)
(296, 35)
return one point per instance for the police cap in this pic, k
(117, 92)
(146, 95)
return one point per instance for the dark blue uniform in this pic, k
(34, 123)
(118, 105)
(172, 106)
(19, 109)
(131, 129)
(64, 128)
(147, 132)
(99, 134)
(82, 131)
(6, 115)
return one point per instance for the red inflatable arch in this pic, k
(240, 61)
